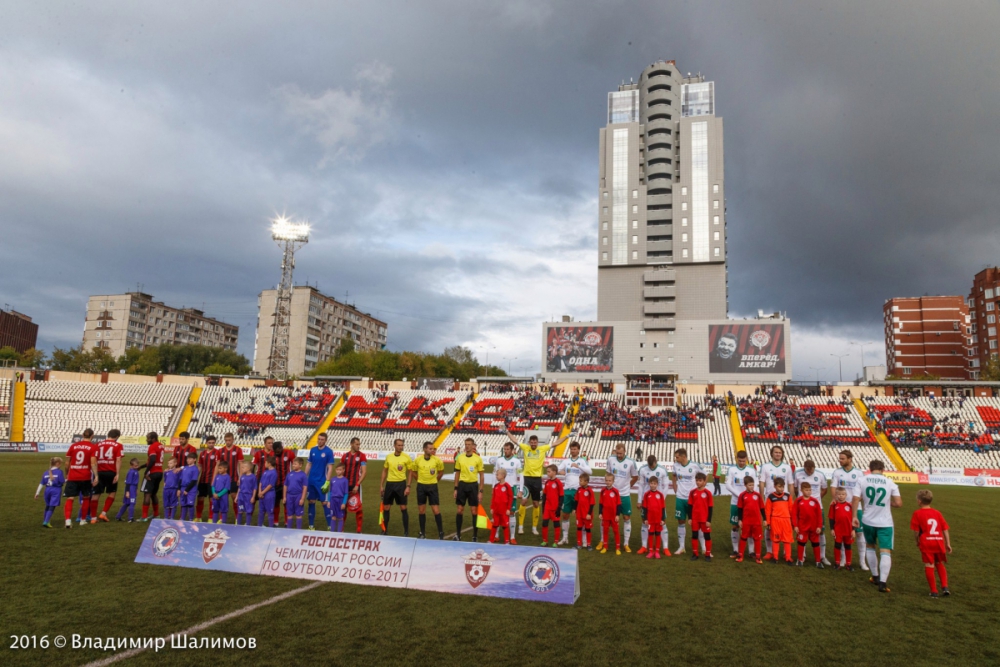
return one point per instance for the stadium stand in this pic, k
(816, 428)
(941, 432)
(6, 393)
(56, 411)
(290, 416)
(379, 417)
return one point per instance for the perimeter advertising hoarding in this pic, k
(746, 348)
(579, 349)
(517, 572)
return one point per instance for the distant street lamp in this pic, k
(821, 368)
(840, 362)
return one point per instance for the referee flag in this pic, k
(381, 517)
(483, 519)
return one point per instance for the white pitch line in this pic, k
(209, 623)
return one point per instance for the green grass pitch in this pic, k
(631, 610)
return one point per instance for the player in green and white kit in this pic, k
(571, 468)
(846, 477)
(878, 495)
(626, 474)
(512, 465)
(651, 469)
(682, 479)
(735, 486)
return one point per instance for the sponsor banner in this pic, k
(436, 384)
(524, 573)
(53, 447)
(963, 480)
(944, 471)
(19, 447)
(906, 477)
(982, 472)
(746, 348)
(579, 349)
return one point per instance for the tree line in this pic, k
(455, 362)
(170, 359)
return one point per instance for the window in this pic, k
(605, 196)
(635, 239)
(699, 190)
(619, 192)
(635, 254)
(715, 204)
(656, 359)
(604, 256)
(670, 360)
(102, 305)
(635, 224)
(716, 253)
(989, 293)
(642, 345)
(990, 319)
(684, 222)
(604, 225)
(715, 236)
(684, 206)
(604, 240)
(993, 344)
(642, 358)
(684, 190)
(604, 210)
(635, 194)
(715, 220)
(656, 345)
(715, 188)
(684, 237)
(992, 331)
(635, 209)
(907, 370)
(670, 344)
(98, 334)
(684, 252)
(642, 332)
(989, 307)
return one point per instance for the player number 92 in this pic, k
(28, 641)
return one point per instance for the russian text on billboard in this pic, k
(579, 349)
(746, 348)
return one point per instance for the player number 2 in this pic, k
(932, 525)
(875, 496)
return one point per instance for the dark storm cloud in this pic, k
(446, 155)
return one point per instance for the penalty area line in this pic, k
(209, 623)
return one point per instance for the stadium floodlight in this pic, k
(290, 236)
(283, 229)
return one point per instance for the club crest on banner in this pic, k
(213, 544)
(477, 567)
(760, 339)
(165, 542)
(541, 574)
(354, 502)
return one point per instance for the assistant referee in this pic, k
(469, 479)
(427, 471)
(395, 485)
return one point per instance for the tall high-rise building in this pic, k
(116, 322)
(318, 324)
(662, 300)
(928, 335)
(17, 331)
(984, 309)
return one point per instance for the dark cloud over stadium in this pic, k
(446, 155)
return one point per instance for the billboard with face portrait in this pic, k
(746, 348)
(579, 349)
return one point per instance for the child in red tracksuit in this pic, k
(585, 513)
(807, 519)
(700, 505)
(933, 540)
(552, 498)
(842, 523)
(610, 505)
(750, 510)
(654, 514)
(500, 504)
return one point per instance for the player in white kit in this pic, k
(735, 486)
(509, 463)
(847, 477)
(683, 484)
(651, 469)
(571, 468)
(877, 494)
(626, 474)
(776, 468)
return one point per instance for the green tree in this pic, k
(219, 369)
(346, 347)
(32, 358)
(7, 355)
(991, 371)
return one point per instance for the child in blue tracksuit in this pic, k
(131, 485)
(220, 491)
(266, 492)
(171, 485)
(188, 493)
(52, 484)
(295, 490)
(246, 496)
(336, 506)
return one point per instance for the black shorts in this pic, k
(80, 487)
(394, 491)
(534, 487)
(428, 493)
(279, 492)
(151, 483)
(467, 492)
(204, 490)
(105, 483)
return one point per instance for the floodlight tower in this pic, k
(290, 236)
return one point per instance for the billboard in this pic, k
(579, 349)
(746, 348)
(436, 384)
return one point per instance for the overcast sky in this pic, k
(445, 153)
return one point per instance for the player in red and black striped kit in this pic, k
(282, 464)
(207, 459)
(231, 455)
(355, 468)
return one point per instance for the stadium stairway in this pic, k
(185, 420)
(330, 416)
(734, 425)
(881, 438)
(567, 428)
(17, 412)
(446, 431)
